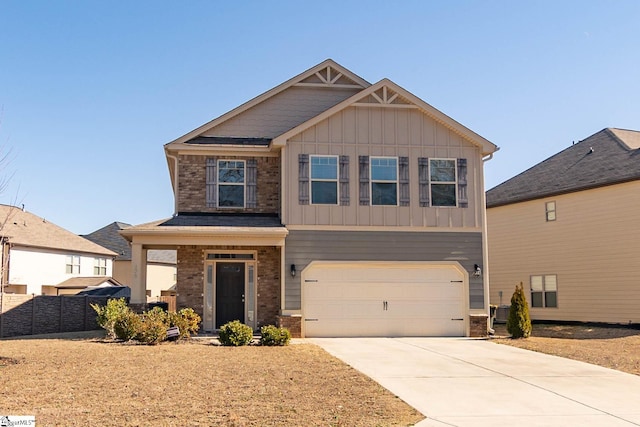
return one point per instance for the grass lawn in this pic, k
(614, 347)
(91, 382)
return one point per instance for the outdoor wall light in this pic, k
(477, 272)
(293, 270)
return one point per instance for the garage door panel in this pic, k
(383, 299)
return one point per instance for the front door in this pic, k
(230, 284)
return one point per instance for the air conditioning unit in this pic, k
(502, 313)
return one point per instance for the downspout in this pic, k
(485, 249)
(174, 182)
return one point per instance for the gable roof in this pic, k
(109, 237)
(608, 157)
(318, 75)
(386, 93)
(85, 282)
(26, 229)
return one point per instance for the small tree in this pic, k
(519, 322)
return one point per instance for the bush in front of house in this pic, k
(127, 326)
(519, 322)
(272, 335)
(153, 326)
(235, 334)
(187, 321)
(111, 313)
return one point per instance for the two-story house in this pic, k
(332, 206)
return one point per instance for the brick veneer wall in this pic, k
(292, 323)
(190, 283)
(192, 184)
(478, 325)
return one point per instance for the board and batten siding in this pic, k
(305, 246)
(593, 247)
(281, 112)
(396, 132)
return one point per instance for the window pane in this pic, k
(536, 299)
(443, 170)
(550, 283)
(229, 171)
(536, 283)
(443, 194)
(324, 168)
(231, 195)
(324, 193)
(384, 193)
(551, 299)
(384, 169)
(69, 269)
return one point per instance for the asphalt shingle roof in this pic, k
(222, 220)
(224, 140)
(607, 157)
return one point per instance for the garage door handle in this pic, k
(458, 319)
(385, 305)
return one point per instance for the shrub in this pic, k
(235, 334)
(272, 335)
(187, 321)
(109, 314)
(519, 322)
(153, 326)
(127, 326)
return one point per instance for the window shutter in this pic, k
(344, 180)
(463, 201)
(211, 183)
(423, 180)
(364, 180)
(252, 179)
(303, 179)
(403, 174)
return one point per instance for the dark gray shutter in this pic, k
(403, 174)
(211, 183)
(251, 200)
(463, 200)
(303, 179)
(364, 180)
(423, 180)
(344, 180)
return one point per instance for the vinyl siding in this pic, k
(283, 111)
(393, 132)
(302, 247)
(592, 247)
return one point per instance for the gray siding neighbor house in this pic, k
(331, 206)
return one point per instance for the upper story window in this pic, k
(544, 291)
(231, 183)
(550, 211)
(442, 174)
(99, 266)
(384, 181)
(73, 264)
(324, 180)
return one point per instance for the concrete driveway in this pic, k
(469, 382)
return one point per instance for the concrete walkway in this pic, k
(476, 383)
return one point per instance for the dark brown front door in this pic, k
(229, 292)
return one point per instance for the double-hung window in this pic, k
(550, 211)
(442, 174)
(231, 183)
(73, 264)
(544, 291)
(99, 266)
(384, 181)
(324, 180)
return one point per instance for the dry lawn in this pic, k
(90, 382)
(612, 347)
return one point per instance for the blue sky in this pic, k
(90, 91)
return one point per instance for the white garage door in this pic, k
(383, 299)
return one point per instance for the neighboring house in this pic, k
(161, 264)
(332, 206)
(566, 228)
(89, 286)
(37, 255)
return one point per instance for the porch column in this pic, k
(139, 274)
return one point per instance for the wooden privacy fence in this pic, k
(43, 314)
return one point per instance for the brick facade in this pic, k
(192, 184)
(190, 283)
(478, 325)
(292, 323)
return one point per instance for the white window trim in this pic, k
(550, 211)
(243, 184)
(544, 290)
(371, 180)
(455, 183)
(101, 265)
(70, 261)
(336, 180)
